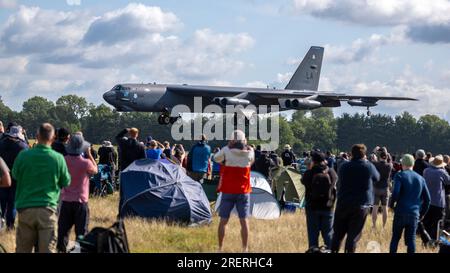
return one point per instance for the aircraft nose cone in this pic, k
(109, 96)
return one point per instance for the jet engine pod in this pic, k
(362, 103)
(303, 104)
(230, 101)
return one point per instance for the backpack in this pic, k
(322, 188)
(106, 240)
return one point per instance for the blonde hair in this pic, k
(134, 132)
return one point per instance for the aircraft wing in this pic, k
(249, 93)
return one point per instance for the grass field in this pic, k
(287, 234)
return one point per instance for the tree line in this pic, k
(306, 130)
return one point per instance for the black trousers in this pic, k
(70, 214)
(430, 223)
(348, 221)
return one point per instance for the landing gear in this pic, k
(165, 119)
(368, 112)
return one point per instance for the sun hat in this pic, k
(77, 145)
(287, 147)
(16, 132)
(438, 162)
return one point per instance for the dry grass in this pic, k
(287, 234)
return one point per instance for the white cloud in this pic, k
(50, 52)
(130, 23)
(432, 99)
(256, 84)
(427, 21)
(8, 4)
(378, 12)
(360, 49)
(73, 2)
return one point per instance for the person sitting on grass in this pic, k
(74, 207)
(234, 184)
(412, 200)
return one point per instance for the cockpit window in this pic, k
(122, 92)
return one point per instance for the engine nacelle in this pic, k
(230, 101)
(303, 104)
(362, 103)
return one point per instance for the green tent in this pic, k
(288, 178)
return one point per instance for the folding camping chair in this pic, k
(102, 183)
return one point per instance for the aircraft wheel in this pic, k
(368, 113)
(166, 119)
(173, 120)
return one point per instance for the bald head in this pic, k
(46, 134)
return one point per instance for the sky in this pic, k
(372, 47)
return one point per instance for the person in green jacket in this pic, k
(40, 174)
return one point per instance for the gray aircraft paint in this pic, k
(303, 85)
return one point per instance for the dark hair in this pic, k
(258, 147)
(359, 151)
(46, 131)
(62, 134)
(318, 157)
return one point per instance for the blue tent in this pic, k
(152, 189)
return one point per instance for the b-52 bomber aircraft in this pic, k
(301, 93)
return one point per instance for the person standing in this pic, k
(436, 179)
(40, 173)
(381, 188)
(11, 145)
(198, 160)
(155, 150)
(234, 184)
(354, 199)
(107, 155)
(5, 181)
(288, 156)
(2, 129)
(74, 209)
(129, 147)
(420, 164)
(62, 137)
(412, 199)
(320, 195)
(5, 178)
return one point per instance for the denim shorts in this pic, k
(229, 201)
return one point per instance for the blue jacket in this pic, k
(410, 193)
(199, 157)
(436, 179)
(355, 184)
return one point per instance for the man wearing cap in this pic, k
(41, 173)
(234, 185)
(436, 178)
(412, 199)
(199, 159)
(288, 156)
(320, 196)
(74, 207)
(107, 155)
(11, 145)
(420, 164)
